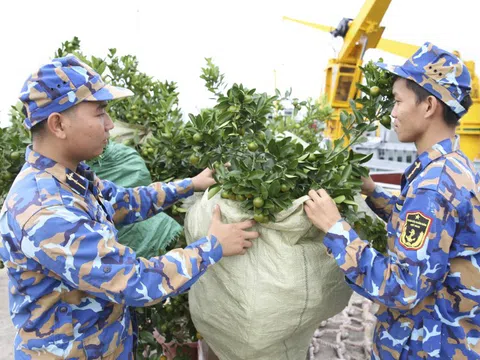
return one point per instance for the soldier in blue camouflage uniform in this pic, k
(71, 282)
(428, 284)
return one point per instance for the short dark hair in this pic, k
(38, 128)
(449, 116)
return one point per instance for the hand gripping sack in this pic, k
(266, 304)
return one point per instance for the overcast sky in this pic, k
(247, 39)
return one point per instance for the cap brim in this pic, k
(394, 69)
(109, 92)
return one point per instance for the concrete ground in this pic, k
(7, 331)
(348, 335)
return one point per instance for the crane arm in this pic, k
(364, 32)
(310, 24)
(397, 48)
(367, 23)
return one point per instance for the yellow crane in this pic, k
(342, 73)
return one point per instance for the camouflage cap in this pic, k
(439, 72)
(61, 84)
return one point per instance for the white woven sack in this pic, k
(266, 304)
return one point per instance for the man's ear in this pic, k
(432, 105)
(56, 125)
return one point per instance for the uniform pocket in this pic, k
(63, 330)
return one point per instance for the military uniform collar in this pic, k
(79, 180)
(436, 151)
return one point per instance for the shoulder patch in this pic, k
(415, 230)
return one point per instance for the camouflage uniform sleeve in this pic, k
(87, 256)
(140, 203)
(420, 256)
(381, 202)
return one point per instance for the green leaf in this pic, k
(361, 140)
(346, 173)
(339, 199)
(303, 157)
(274, 188)
(351, 202)
(101, 68)
(364, 171)
(365, 158)
(268, 204)
(257, 174)
(264, 191)
(147, 336)
(213, 190)
(273, 148)
(361, 127)
(226, 123)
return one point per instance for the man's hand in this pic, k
(233, 237)
(204, 180)
(321, 210)
(368, 186)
